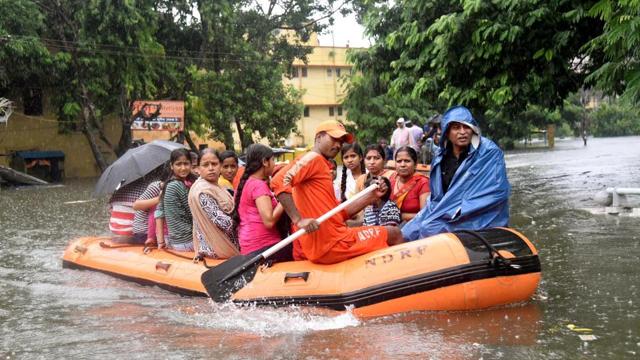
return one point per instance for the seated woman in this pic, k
(173, 207)
(410, 190)
(383, 212)
(229, 169)
(374, 160)
(257, 210)
(214, 232)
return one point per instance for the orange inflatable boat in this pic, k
(466, 270)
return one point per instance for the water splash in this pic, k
(264, 321)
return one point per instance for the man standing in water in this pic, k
(305, 189)
(469, 186)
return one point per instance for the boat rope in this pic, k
(148, 249)
(117, 246)
(195, 259)
(497, 260)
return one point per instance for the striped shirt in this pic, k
(121, 207)
(141, 217)
(387, 215)
(175, 207)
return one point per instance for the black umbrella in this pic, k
(134, 164)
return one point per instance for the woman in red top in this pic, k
(410, 190)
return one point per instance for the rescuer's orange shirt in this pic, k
(309, 180)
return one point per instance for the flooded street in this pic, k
(589, 270)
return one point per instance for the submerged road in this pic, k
(590, 281)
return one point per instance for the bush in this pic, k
(564, 130)
(615, 120)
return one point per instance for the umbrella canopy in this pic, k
(134, 164)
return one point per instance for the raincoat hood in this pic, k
(477, 198)
(461, 115)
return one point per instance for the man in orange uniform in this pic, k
(305, 189)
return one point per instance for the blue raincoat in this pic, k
(478, 196)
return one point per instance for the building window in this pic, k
(306, 111)
(329, 73)
(293, 72)
(304, 71)
(330, 110)
(339, 110)
(337, 72)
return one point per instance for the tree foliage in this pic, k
(616, 118)
(620, 73)
(496, 57)
(236, 83)
(224, 58)
(24, 60)
(371, 107)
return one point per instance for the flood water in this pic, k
(590, 265)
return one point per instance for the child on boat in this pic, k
(383, 211)
(214, 231)
(229, 169)
(174, 205)
(143, 228)
(256, 209)
(353, 161)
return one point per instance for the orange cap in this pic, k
(335, 129)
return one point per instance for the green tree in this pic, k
(575, 113)
(496, 57)
(615, 119)
(620, 43)
(106, 51)
(233, 78)
(371, 108)
(24, 59)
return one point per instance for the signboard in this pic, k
(158, 115)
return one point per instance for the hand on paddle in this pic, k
(308, 224)
(382, 188)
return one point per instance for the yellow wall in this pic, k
(41, 133)
(24, 132)
(322, 88)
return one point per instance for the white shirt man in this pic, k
(416, 132)
(401, 136)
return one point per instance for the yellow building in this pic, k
(323, 83)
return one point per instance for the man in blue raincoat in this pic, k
(469, 186)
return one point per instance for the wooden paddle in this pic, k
(222, 281)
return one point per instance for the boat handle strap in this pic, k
(299, 275)
(163, 266)
(497, 260)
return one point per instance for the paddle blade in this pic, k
(232, 275)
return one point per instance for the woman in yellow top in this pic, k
(229, 168)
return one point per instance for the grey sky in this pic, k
(345, 30)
